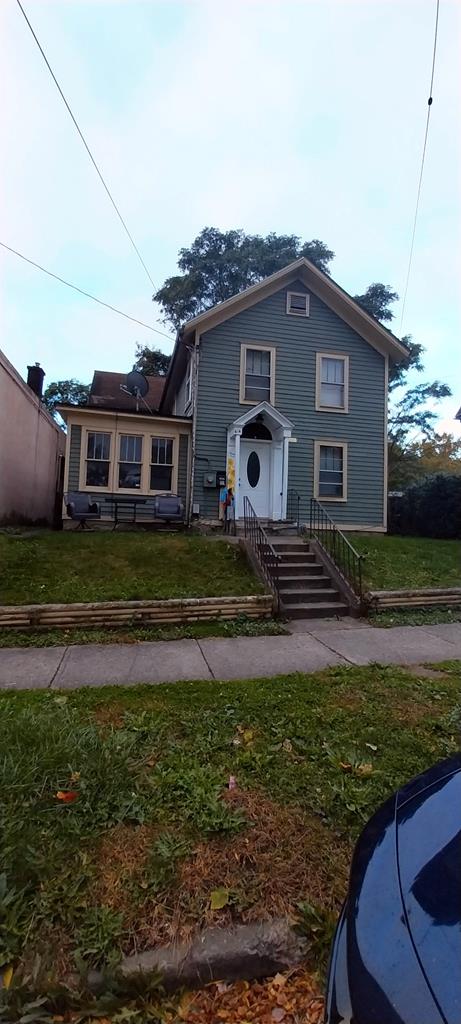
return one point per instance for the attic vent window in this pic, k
(297, 304)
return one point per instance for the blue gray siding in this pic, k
(74, 457)
(297, 340)
(183, 466)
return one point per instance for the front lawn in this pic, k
(71, 566)
(408, 563)
(122, 827)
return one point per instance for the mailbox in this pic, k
(221, 479)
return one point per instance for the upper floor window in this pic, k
(330, 470)
(130, 462)
(257, 374)
(332, 382)
(297, 303)
(161, 467)
(97, 459)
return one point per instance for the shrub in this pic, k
(430, 508)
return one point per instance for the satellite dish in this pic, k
(137, 384)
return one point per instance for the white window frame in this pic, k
(253, 346)
(298, 312)
(173, 464)
(118, 487)
(189, 383)
(318, 382)
(84, 461)
(330, 443)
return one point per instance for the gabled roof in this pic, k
(317, 282)
(105, 392)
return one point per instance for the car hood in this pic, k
(429, 866)
(397, 950)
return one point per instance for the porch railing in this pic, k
(346, 559)
(293, 507)
(268, 558)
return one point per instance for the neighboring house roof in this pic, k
(458, 414)
(105, 392)
(317, 282)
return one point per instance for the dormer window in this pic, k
(297, 304)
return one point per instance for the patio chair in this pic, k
(80, 508)
(169, 507)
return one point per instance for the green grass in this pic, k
(241, 626)
(415, 617)
(72, 566)
(401, 563)
(153, 830)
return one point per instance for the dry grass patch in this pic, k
(293, 998)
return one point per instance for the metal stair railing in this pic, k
(293, 507)
(268, 558)
(346, 559)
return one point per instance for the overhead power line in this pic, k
(429, 107)
(82, 292)
(93, 161)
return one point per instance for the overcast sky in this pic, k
(303, 117)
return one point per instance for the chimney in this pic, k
(35, 376)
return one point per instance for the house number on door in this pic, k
(253, 469)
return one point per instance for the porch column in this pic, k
(238, 511)
(286, 452)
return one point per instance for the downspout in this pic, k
(195, 366)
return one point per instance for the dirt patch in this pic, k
(410, 711)
(109, 716)
(283, 857)
(48, 958)
(350, 701)
(424, 672)
(121, 857)
(292, 998)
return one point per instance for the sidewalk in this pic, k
(312, 645)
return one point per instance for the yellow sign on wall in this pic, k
(231, 472)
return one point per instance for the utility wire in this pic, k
(82, 292)
(93, 161)
(429, 106)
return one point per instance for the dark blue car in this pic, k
(396, 955)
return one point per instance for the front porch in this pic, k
(258, 445)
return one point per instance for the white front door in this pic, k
(255, 476)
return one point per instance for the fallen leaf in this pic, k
(365, 769)
(232, 784)
(371, 746)
(287, 745)
(184, 1005)
(248, 735)
(219, 898)
(61, 700)
(7, 977)
(279, 980)
(66, 797)
(278, 1013)
(346, 767)
(75, 776)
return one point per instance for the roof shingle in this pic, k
(105, 392)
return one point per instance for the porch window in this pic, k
(332, 382)
(161, 468)
(130, 462)
(330, 468)
(257, 372)
(97, 459)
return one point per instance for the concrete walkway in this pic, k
(312, 645)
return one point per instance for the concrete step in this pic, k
(289, 544)
(300, 557)
(288, 582)
(299, 568)
(309, 596)
(316, 610)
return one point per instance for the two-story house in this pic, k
(286, 385)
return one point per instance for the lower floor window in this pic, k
(161, 469)
(97, 459)
(130, 465)
(331, 471)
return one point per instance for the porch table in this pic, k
(125, 504)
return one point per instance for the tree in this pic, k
(220, 264)
(151, 361)
(376, 301)
(62, 391)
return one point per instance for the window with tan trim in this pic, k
(161, 463)
(257, 374)
(297, 304)
(130, 461)
(330, 470)
(97, 459)
(332, 382)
